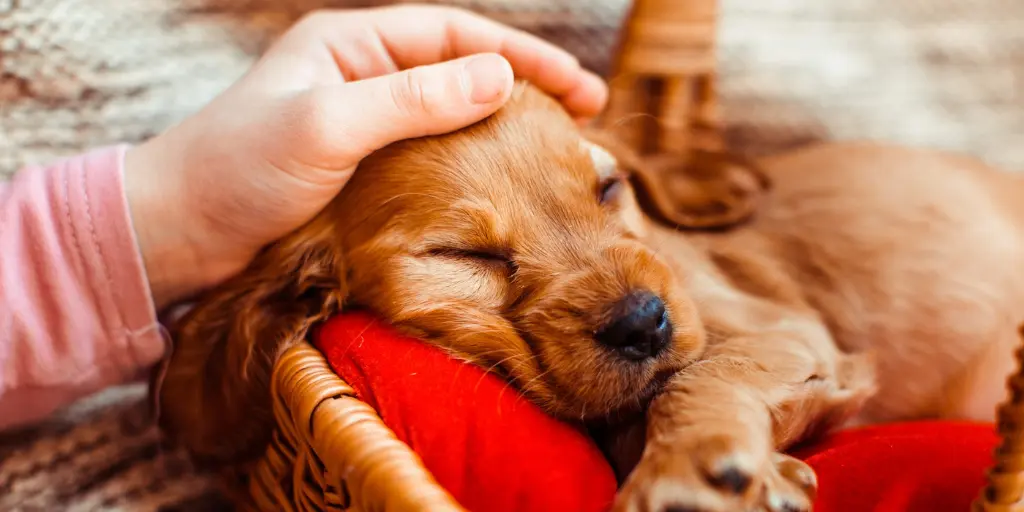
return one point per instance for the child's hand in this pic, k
(269, 153)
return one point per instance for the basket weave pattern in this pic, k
(1004, 491)
(665, 68)
(332, 451)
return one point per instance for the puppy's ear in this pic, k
(214, 396)
(704, 190)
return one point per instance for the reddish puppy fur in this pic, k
(514, 242)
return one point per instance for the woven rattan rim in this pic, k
(332, 451)
(1004, 489)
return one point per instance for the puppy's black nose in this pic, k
(640, 328)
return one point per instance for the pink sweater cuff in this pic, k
(76, 313)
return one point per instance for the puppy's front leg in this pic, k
(713, 434)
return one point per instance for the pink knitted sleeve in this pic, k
(76, 313)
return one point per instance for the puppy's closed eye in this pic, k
(488, 257)
(611, 188)
(610, 176)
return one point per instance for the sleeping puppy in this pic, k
(553, 258)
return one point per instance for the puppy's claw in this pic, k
(786, 506)
(776, 503)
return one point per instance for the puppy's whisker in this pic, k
(491, 369)
(480, 359)
(526, 385)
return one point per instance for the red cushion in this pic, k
(910, 467)
(488, 446)
(496, 451)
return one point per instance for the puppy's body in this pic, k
(914, 255)
(910, 258)
(516, 245)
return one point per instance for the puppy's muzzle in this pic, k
(639, 328)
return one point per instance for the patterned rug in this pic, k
(102, 454)
(80, 73)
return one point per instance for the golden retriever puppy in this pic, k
(695, 355)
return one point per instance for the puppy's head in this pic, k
(516, 244)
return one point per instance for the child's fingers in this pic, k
(349, 121)
(373, 42)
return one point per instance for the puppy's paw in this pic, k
(716, 474)
(789, 486)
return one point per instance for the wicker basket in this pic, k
(331, 451)
(664, 78)
(324, 433)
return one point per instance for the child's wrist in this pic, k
(172, 264)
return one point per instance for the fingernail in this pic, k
(486, 77)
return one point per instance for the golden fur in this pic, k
(861, 268)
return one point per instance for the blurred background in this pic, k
(941, 73)
(76, 74)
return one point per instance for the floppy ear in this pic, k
(214, 396)
(702, 190)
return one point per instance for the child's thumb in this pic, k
(428, 100)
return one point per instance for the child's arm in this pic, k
(76, 312)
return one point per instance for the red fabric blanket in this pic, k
(496, 451)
